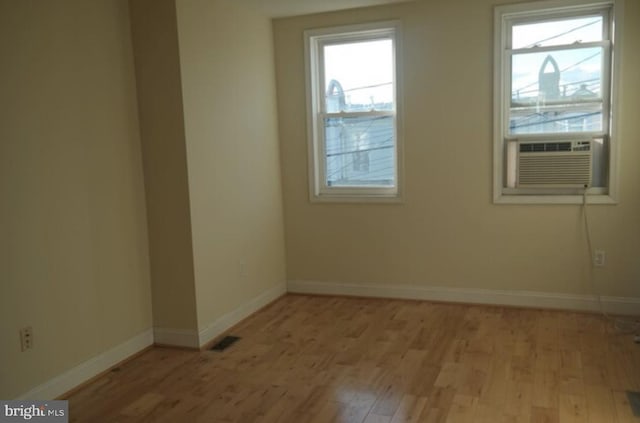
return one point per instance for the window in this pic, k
(353, 113)
(553, 102)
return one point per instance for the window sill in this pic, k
(355, 199)
(553, 199)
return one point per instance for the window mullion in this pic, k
(321, 103)
(573, 46)
(372, 113)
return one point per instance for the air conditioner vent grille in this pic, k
(532, 147)
(545, 146)
(554, 164)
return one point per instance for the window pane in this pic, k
(359, 76)
(557, 32)
(559, 91)
(360, 151)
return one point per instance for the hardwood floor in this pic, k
(325, 359)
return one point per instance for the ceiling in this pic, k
(281, 8)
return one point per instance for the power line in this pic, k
(360, 151)
(380, 174)
(584, 115)
(373, 140)
(563, 70)
(580, 62)
(561, 34)
(566, 84)
(372, 162)
(365, 130)
(367, 86)
(345, 166)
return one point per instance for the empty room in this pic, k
(366, 211)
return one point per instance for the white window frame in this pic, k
(314, 41)
(504, 17)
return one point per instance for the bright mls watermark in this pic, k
(34, 411)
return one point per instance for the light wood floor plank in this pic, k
(334, 359)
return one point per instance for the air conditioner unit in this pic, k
(557, 164)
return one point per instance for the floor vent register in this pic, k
(634, 402)
(225, 343)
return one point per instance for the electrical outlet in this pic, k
(26, 338)
(599, 258)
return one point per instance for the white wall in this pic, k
(73, 241)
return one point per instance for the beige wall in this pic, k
(73, 250)
(448, 233)
(155, 41)
(226, 60)
(74, 261)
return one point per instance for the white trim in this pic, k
(176, 337)
(532, 299)
(556, 6)
(196, 339)
(223, 323)
(616, 99)
(84, 371)
(364, 198)
(515, 12)
(554, 199)
(314, 39)
(499, 44)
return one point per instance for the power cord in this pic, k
(620, 325)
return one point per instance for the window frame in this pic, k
(504, 18)
(314, 41)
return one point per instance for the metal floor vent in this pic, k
(225, 343)
(634, 402)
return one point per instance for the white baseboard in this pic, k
(83, 372)
(176, 337)
(88, 369)
(193, 339)
(617, 305)
(220, 325)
